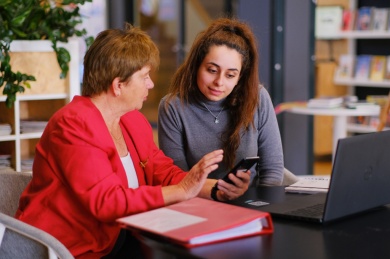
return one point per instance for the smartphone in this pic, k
(244, 165)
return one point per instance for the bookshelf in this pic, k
(353, 37)
(41, 101)
(362, 42)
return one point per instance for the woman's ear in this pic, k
(116, 86)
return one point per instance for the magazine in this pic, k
(387, 71)
(364, 15)
(348, 19)
(380, 18)
(378, 66)
(345, 68)
(362, 70)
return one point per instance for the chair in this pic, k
(19, 239)
(12, 185)
(288, 177)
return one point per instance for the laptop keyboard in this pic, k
(311, 211)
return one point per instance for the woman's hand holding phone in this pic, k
(244, 165)
(232, 189)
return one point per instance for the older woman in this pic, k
(96, 160)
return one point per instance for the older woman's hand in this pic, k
(196, 177)
(233, 191)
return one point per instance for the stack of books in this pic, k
(5, 161)
(325, 102)
(27, 164)
(32, 126)
(5, 129)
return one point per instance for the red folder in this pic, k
(199, 221)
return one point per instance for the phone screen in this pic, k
(244, 165)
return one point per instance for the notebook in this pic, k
(360, 181)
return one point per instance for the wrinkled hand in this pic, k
(196, 177)
(233, 191)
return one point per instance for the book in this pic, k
(325, 102)
(362, 104)
(199, 221)
(5, 161)
(310, 184)
(362, 68)
(387, 70)
(363, 20)
(345, 67)
(328, 21)
(388, 22)
(31, 126)
(380, 19)
(5, 129)
(377, 99)
(348, 19)
(378, 67)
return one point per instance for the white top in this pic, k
(132, 178)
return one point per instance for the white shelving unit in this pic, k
(14, 141)
(352, 37)
(358, 35)
(368, 83)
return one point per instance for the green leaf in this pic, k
(27, 84)
(89, 41)
(19, 20)
(63, 54)
(19, 33)
(5, 2)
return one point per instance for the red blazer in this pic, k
(79, 186)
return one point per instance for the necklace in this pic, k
(216, 117)
(119, 135)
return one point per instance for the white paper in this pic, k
(310, 184)
(162, 220)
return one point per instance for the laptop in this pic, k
(360, 181)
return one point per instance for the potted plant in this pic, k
(53, 20)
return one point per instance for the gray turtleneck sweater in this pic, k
(186, 132)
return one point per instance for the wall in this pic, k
(294, 80)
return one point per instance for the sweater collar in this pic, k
(211, 105)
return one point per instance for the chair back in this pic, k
(288, 177)
(12, 185)
(19, 239)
